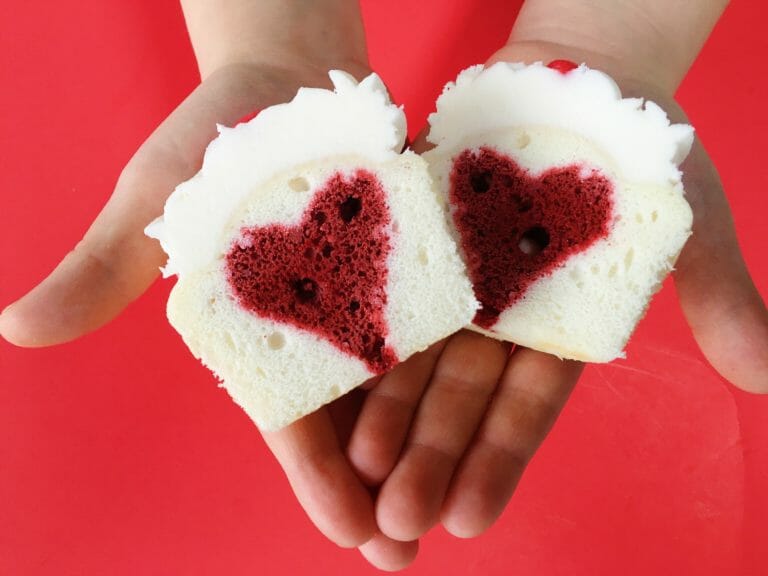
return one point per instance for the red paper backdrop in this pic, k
(119, 455)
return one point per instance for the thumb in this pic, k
(723, 308)
(115, 262)
(110, 267)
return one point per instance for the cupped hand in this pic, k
(115, 263)
(445, 437)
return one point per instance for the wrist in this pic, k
(282, 34)
(650, 44)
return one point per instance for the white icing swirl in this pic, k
(354, 118)
(636, 133)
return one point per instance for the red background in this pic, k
(118, 453)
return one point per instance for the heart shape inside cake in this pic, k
(326, 275)
(516, 227)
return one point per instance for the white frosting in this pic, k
(354, 118)
(583, 101)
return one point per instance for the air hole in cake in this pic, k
(377, 347)
(629, 258)
(298, 184)
(481, 181)
(575, 275)
(276, 340)
(350, 208)
(305, 289)
(319, 216)
(354, 306)
(534, 241)
(523, 204)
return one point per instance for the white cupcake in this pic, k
(311, 254)
(566, 201)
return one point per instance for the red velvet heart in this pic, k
(516, 228)
(328, 274)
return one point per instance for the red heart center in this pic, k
(516, 228)
(327, 275)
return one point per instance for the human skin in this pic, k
(446, 436)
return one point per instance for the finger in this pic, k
(387, 554)
(723, 308)
(383, 424)
(323, 481)
(93, 283)
(449, 413)
(531, 394)
(114, 263)
(344, 413)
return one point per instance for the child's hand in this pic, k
(446, 435)
(251, 55)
